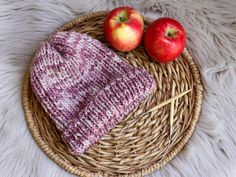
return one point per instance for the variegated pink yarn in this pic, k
(85, 87)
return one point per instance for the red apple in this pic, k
(164, 39)
(123, 28)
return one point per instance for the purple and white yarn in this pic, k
(85, 87)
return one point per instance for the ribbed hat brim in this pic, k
(108, 108)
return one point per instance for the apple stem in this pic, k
(171, 33)
(122, 19)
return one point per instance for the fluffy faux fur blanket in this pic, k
(211, 31)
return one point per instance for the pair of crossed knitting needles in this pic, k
(172, 101)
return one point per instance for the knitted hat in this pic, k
(85, 87)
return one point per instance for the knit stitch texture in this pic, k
(85, 87)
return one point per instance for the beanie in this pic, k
(85, 88)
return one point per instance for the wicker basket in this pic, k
(139, 144)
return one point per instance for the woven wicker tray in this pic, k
(139, 144)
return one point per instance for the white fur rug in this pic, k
(211, 30)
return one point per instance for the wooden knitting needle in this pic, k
(172, 109)
(165, 102)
